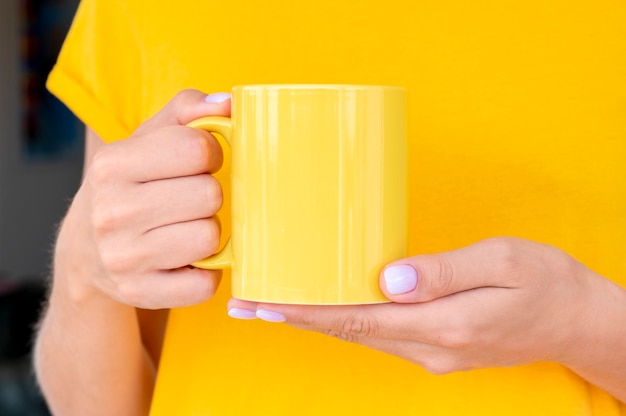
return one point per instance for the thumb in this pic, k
(427, 277)
(187, 106)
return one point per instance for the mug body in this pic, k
(318, 191)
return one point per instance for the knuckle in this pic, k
(208, 286)
(209, 238)
(215, 153)
(129, 293)
(207, 291)
(198, 143)
(103, 167)
(214, 195)
(106, 218)
(183, 96)
(443, 272)
(505, 251)
(359, 326)
(118, 262)
(193, 146)
(341, 335)
(307, 320)
(110, 263)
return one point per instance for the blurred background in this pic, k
(40, 167)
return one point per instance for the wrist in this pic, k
(582, 322)
(597, 326)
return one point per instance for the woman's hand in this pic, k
(500, 302)
(146, 210)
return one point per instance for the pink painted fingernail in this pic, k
(240, 313)
(400, 279)
(217, 98)
(270, 316)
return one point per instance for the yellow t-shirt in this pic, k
(517, 126)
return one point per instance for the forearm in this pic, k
(89, 357)
(600, 354)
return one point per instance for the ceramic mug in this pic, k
(318, 191)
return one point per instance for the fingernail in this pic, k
(270, 316)
(217, 98)
(239, 313)
(400, 279)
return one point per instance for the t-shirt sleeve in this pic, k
(98, 72)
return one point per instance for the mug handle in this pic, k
(222, 125)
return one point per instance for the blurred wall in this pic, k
(33, 195)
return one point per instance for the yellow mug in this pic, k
(318, 184)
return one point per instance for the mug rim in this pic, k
(313, 86)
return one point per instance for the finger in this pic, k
(169, 289)
(358, 321)
(241, 309)
(163, 147)
(171, 201)
(448, 321)
(489, 263)
(354, 320)
(168, 152)
(178, 245)
(185, 107)
(239, 303)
